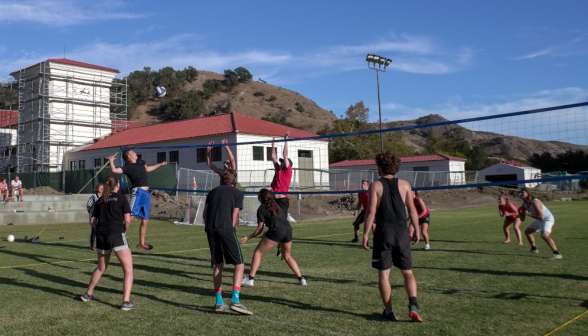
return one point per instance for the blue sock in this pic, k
(235, 297)
(219, 297)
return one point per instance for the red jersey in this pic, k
(364, 199)
(282, 179)
(506, 208)
(419, 208)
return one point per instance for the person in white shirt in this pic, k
(544, 221)
(16, 184)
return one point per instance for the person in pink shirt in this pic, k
(282, 179)
(362, 204)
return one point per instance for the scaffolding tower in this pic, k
(63, 104)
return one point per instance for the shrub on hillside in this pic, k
(299, 107)
(272, 98)
(259, 94)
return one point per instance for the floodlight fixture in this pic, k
(376, 59)
(388, 61)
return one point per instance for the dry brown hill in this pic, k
(243, 101)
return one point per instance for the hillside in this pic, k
(312, 118)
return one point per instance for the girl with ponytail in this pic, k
(279, 232)
(111, 219)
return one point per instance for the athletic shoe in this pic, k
(302, 282)
(413, 313)
(290, 219)
(86, 297)
(354, 240)
(279, 254)
(239, 308)
(144, 247)
(220, 308)
(128, 305)
(391, 316)
(533, 250)
(556, 256)
(248, 282)
(427, 247)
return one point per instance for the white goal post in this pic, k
(193, 216)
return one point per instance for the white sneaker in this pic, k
(556, 256)
(302, 282)
(427, 247)
(290, 219)
(533, 250)
(247, 282)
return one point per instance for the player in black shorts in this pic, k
(279, 232)
(111, 219)
(388, 197)
(220, 216)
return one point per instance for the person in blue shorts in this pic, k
(136, 170)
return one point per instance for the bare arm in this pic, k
(513, 209)
(286, 162)
(93, 222)
(412, 212)
(255, 233)
(235, 216)
(357, 207)
(274, 155)
(127, 220)
(208, 162)
(375, 189)
(88, 208)
(423, 206)
(152, 168)
(230, 155)
(114, 169)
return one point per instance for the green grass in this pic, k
(469, 283)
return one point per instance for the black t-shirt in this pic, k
(137, 173)
(272, 222)
(111, 214)
(220, 204)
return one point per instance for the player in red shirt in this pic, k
(511, 212)
(362, 204)
(282, 179)
(424, 218)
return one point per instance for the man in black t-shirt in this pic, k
(388, 198)
(220, 215)
(136, 171)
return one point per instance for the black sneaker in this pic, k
(128, 305)
(220, 308)
(144, 247)
(86, 297)
(389, 316)
(354, 240)
(279, 254)
(239, 308)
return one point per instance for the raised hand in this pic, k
(224, 141)
(209, 148)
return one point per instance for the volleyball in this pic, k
(160, 92)
(10, 238)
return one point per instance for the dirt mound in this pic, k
(165, 207)
(42, 191)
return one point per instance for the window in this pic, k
(82, 164)
(98, 163)
(215, 154)
(73, 165)
(423, 168)
(305, 154)
(174, 157)
(269, 153)
(161, 157)
(257, 153)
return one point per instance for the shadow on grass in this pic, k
(35, 257)
(515, 253)
(327, 242)
(508, 273)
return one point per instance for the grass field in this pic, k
(469, 283)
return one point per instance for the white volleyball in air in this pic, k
(10, 238)
(160, 92)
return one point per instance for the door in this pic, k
(305, 169)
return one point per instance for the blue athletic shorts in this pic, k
(140, 201)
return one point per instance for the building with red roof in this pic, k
(510, 171)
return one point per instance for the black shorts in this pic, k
(279, 235)
(284, 204)
(391, 247)
(426, 220)
(105, 244)
(359, 220)
(224, 246)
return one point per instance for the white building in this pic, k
(8, 138)
(254, 165)
(419, 170)
(64, 104)
(510, 171)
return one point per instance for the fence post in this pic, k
(348, 176)
(299, 197)
(63, 180)
(34, 179)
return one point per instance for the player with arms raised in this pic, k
(230, 163)
(282, 180)
(136, 171)
(388, 198)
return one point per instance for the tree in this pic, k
(358, 113)
(230, 80)
(229, 106)
(243, 75)
(477, 158)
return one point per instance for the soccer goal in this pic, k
(193, 216)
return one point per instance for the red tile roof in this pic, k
(514, 163)
(403, 159)
(117, 125)
(196, 128)
(72, 62)
(8, 118)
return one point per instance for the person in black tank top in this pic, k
(389, 198)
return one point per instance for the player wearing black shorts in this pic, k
(388, 198)
(279, 232)
(220, 216)
(111, 219)
(361, 204)
(424, 218)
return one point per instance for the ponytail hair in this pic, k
(265, 196)
(109, 185)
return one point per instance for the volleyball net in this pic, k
(507, 149)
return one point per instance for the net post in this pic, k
(298, 198)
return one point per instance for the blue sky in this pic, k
(455, 58)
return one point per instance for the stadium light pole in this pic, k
(372, 60)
